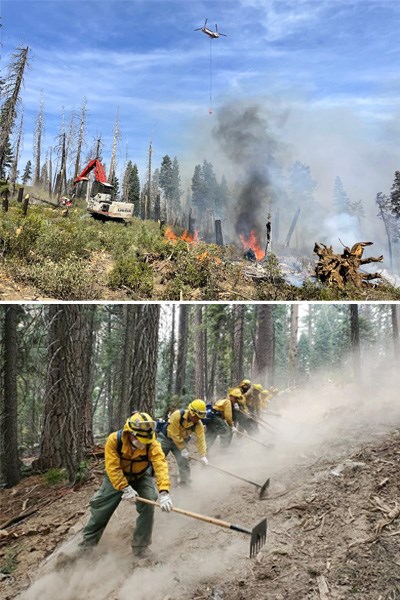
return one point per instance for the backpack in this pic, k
(162, 424)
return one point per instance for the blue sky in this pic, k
(329, 69)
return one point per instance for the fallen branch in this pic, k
(19, 517)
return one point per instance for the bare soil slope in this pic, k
(333, 519)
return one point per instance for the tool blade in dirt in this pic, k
(258, 537)
(264, 489)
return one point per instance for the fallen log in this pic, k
(342, 269)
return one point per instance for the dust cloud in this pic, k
(330, 417)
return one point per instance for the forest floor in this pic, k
(332, 511)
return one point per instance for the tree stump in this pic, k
(342, 269)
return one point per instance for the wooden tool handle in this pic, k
(194, 515)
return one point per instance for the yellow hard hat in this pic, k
(258, 387)
(142, 426)
(245, 382)
(198, 407)
(235, 392)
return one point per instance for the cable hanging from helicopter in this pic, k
(212, 35)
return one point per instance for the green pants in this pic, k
(217, 426)
(106, 500)
(167, 446)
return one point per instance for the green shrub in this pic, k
(132, 274)
(9, 562)
(70, 280)
(55, 476)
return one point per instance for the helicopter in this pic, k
(210, 32)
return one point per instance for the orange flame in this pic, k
(185, 237)
(204, 255)
(252, 243)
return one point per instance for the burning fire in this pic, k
(185, 237)
(205, 255)
(252, 243)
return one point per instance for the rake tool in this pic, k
(263, 488)
(259, 421)
(269, 446)
(258, 533)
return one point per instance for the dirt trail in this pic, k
(333, 523)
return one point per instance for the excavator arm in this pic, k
(99, 173)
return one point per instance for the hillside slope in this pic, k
(333, 520)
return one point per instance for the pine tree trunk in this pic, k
(9, 428)
(122, 404)
(182, 349)
(171, 357)
(238, 340)
(355, 340)
(264, 350)
(144, 358)
(199, 352)
(67, 388)
(395, 327)
(294, 324)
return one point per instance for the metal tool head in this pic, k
(258, 537)
(264, 490)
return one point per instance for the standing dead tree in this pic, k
(342, 269)
(10, 90)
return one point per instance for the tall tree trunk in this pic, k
(199, 352)
(9, 428)
(182, 349)
(238, 340)
(111, 171)
(264, 350)
(395, 327)
(38, 143)
(355, 340)
(216, 336)
(171, 355)
(144, 358)
(122, 405)
(67, 388)
(86, 418)
(294, 325)
(80, 140)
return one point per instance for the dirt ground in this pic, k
(332, 511)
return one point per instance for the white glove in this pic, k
(204, 460)
(185, 453)
(129, 493)
(236, 406)
(234, 429)
(165, 502)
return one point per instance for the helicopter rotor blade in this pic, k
(205, 22)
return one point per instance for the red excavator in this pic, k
(98, 196)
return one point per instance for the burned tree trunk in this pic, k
(342, 269)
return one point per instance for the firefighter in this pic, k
(267, 395)
(242, 417)
(131, 456)
(254, 399)
(176, 433)
(222, 419)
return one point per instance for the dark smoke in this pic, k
(244, 136)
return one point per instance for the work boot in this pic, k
(64, 560)
(143, 557)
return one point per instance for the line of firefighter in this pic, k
(134, 457)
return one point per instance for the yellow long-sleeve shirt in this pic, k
(180, 428)
(135, 461)
(224, 406)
